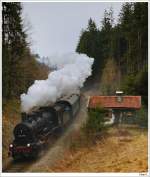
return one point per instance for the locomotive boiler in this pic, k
(35, 128)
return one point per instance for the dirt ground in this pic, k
(125, 149)
(11, 116)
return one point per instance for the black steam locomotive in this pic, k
(35, 128)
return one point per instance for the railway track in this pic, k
(24, 164)
(57, 146)
(16, 167)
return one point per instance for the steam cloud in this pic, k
(71, 72)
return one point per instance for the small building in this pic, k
(123, 108)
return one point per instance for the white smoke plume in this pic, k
(71, 72)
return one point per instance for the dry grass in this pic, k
(123, 150)
(11, 116)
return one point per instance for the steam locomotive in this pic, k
(33, 132)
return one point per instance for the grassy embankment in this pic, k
(123, 149)
(11, 110)
(11, 116)
(95, 148)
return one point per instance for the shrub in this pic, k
(142, 117)
(95, 121)
(91, 131)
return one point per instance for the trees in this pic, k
(137, 85)
(13, 45)
(134, 29)
(88, 43)
(126, 43)
(106, 34)
(110, 78)
(16, 55)
(96, 43)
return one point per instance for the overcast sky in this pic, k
(56, 27)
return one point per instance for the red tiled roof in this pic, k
(112, 102)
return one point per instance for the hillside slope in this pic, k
(123, 150)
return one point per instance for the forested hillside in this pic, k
(20, 67)
(124, 45)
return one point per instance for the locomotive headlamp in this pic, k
(28, 145)
(11, 145)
